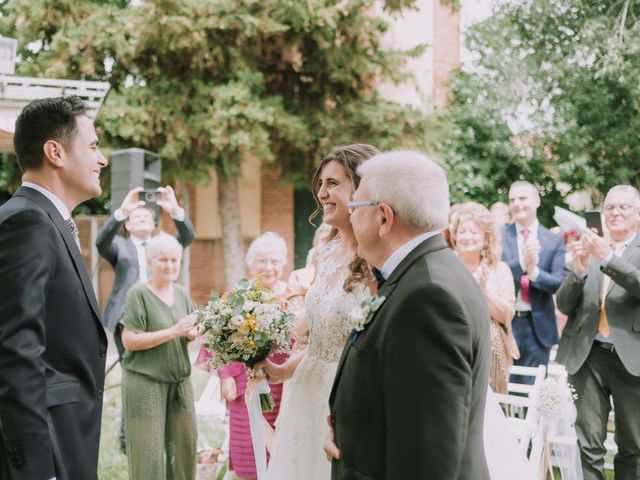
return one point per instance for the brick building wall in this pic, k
(206, 262)
(446, 50)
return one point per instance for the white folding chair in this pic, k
(518, 403)
(211, 409)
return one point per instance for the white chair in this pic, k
(517, 403)
(211, 409)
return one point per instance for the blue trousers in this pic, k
(532, 352)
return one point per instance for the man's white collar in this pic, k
(396, 257)
(53, 198)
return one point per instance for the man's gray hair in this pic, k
(163, 242)
(627, 189)
(412, 184)
(263, 242)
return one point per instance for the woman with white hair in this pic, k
(265, 259)
(158, 406)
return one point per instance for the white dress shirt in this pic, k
(396, 257)
(140, 245)
(521, 305)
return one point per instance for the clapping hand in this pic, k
(579, 258)
(531, 254)
(168, 202)
(131, 202)
(481, 274)
(595, 245)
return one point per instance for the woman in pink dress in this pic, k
(266, 257)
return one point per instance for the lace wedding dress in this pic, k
(301, 428)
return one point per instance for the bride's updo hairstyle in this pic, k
(350, 157)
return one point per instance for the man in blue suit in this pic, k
(536, 258)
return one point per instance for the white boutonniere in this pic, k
(363, 314)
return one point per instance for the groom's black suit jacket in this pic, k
(409, 395)
(52, 347)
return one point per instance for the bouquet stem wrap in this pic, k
(255, 408)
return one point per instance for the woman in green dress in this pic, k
(157, 323)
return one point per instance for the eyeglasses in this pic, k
(351, 205)
(268, 263)
(622, 207)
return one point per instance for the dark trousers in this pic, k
(602, 377)
(532, 352)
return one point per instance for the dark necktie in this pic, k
(74, 230)
(379, 278)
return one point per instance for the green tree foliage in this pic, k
(204, 82)
(207, 82)
(552, 98)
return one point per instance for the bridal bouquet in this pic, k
(246, 326)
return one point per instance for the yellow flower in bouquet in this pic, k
(246, 326)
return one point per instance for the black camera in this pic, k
(150, 196)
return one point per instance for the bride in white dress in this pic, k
(342, 283)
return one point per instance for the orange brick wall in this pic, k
(206, 267)
(277, 210)
(446, 50)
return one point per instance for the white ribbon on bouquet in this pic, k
(256, 420)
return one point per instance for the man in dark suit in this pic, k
(600, 344)
(409, 395)
(536, 258)
(52, 344)
(127, 255)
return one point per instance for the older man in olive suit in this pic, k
(600, 344)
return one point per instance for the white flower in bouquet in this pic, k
(246, 326)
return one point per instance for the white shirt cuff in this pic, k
(119, 215)
(580, 278)
(607, 259)
(178, 215)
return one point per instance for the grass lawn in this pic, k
(112, 463)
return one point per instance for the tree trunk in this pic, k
(232, 242)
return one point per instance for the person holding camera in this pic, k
(127, 255)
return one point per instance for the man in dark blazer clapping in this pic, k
(409, 395)
(52, 344)
(536, 258)
(600, 344)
